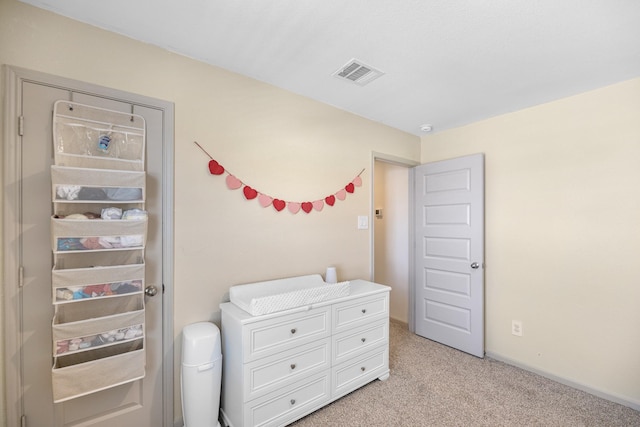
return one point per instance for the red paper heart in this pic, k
(215, 168)
(249, 192)
(349, 187)
(330, 200)
(307, 206)
(279, 204)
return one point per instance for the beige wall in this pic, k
(563, 234)
(391, 242)
(279, 143)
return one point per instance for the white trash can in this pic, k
(200, 374)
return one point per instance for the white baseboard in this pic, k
(599, 393)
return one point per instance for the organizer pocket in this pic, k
(97, 234)
(93, 137)
(76, 260)
(101, 339)
(97, 308)
(80, 138)
(79, 374)
(82, 326)
(72, 184)
(97, 282)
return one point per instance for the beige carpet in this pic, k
(434, 385)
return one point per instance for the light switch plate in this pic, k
(363, 222)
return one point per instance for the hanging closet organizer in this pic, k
(98, 281)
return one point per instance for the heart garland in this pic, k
(265, 200)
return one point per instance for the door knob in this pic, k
(151, 291)
(475, 265)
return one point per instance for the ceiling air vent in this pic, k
(355, 71)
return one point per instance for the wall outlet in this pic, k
(516, 327)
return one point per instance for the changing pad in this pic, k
(282, 294)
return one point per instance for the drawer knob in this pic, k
(293, 331)
(293, 401)
(362, 369)
(293, 366)
(364, 310)
(363, 339)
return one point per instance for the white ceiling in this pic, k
(446, 63)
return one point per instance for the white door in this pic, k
(449, 252)
(138, 403)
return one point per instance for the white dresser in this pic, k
(282, 366)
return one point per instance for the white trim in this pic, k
(168, 168)
(14, 76)
(412, 251)
(562, 380)
(409, 164)
(388, 158)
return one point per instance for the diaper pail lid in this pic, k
(200, 344)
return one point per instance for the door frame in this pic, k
(13, 79)
(409, 164)
(412, 250)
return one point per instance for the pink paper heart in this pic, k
(233, 183)
(357, 181)
(264, 200)
(342, 194)
(318, 205)
(293, 207)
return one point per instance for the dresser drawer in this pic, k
(279, 334)
(354, 342)
(359, 371)
(282, 407)
(350, 314)
(270, 373)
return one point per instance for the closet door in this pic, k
(138, 403)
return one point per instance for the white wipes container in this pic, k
(200, 375)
